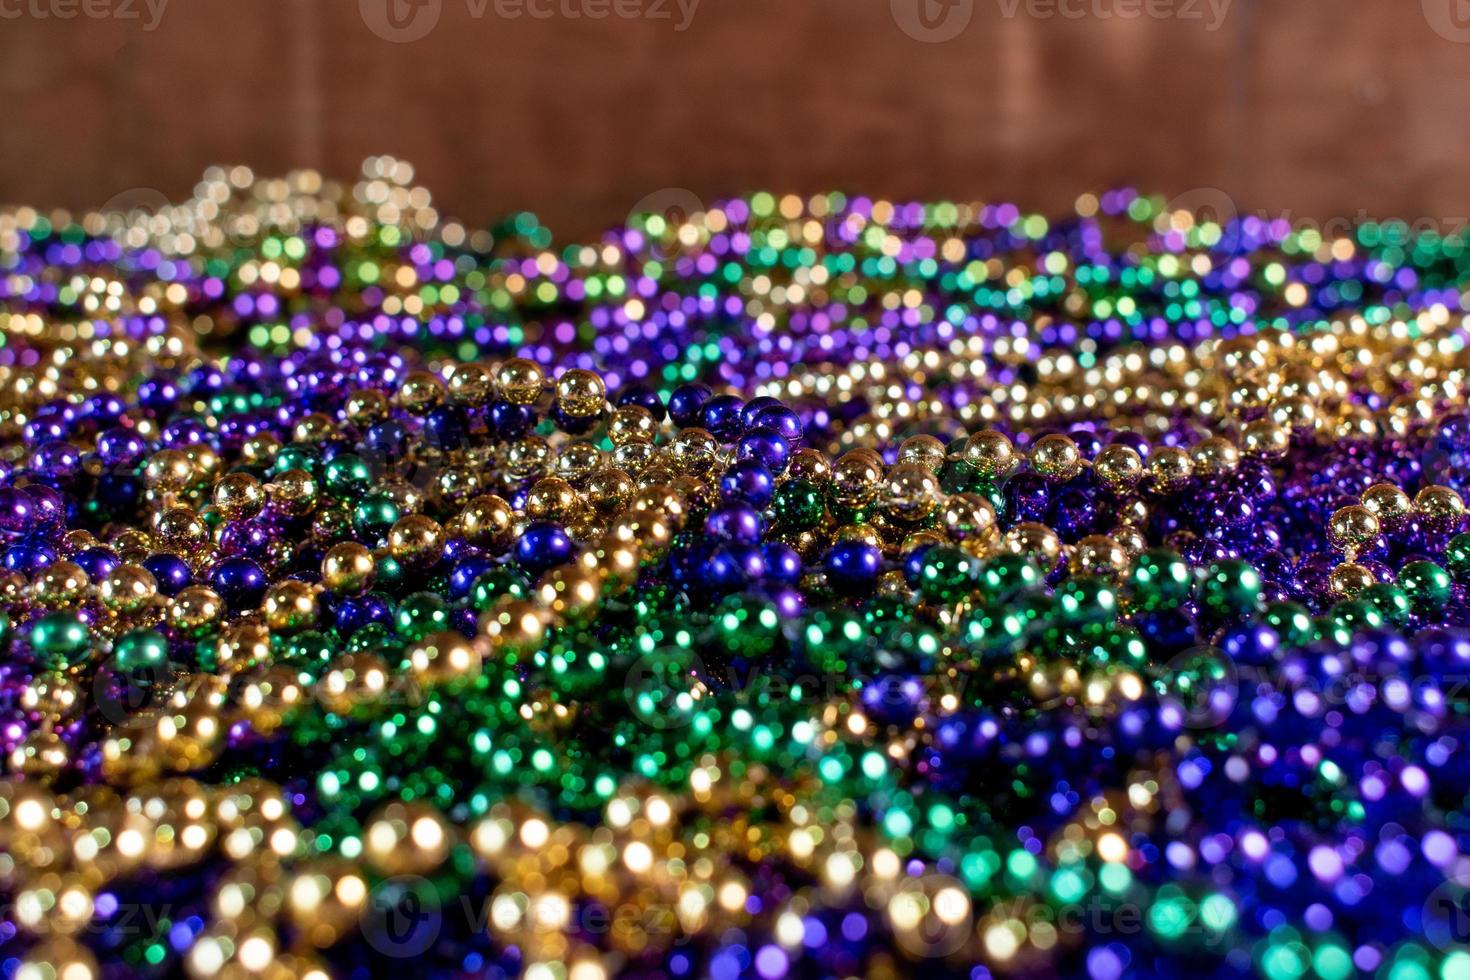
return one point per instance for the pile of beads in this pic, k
(810, 587)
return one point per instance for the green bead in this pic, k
(1291, 621)
(798, 505)
(388, 573)
(372, 637)
(1005, 575)
(141, 652)
(296, 457)
(948, 573)
(1159, 579)
(498, 582)
(1356, 615)
(421, 614)
(1086, 599)
(1391, 602)
(1230, 586)
(347, 476)
(1426, 584)
(60, 639)
(747, 625)
(373, 516)
(1457, 557)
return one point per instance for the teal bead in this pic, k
(1159, 579)
(1086, 599)
(798, 505)
(60, 640)
(140, 653)
(1426, 584)
(948, 574)
(347, 476)
(421, 614)
(1230, 587)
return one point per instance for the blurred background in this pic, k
(1319, 110)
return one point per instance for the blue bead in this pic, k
(466, 570)
(97, 562)
(446, 428)
(385, 443)
(511, 421)
(782, 420)
(754, 407)
(721, 416)
(782, 562)
(749, 481)
(643, 396)
(766, 446)
(239, 581)
(686, 404)
(853, 566)
(543, 545)
(735, 522)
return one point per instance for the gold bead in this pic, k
(1439, 507)
(168, 471)
(521, 380)
(314, 427)
(580, 393)
(1264, 438)
(243, 645)
(990, 453)
(1034, 541)
(1169, 468)
(856, 477)
(967, 516)
(911, 492)
(406, 838)
(420, 392)
(1387, 503)
(196, 609)
(694, 451)
(577, 461)
(608, 490)
(1215, 456)
(631, 424)
(127, 588)
(924, 450)
(443, 657)
(59, 584)
(515, 628)
(290, 605)
(552, 499)
(294, 491)
(268, 695)
(180, 529)
(1056, 458)
(1098, 554)
(811, 465)
(239, 496)
(416, 541)
(365, 407)
(1348, 579)
(570, 593)
(348, 569)
(488, 522)
(260, 450)
(1118, 468)
(353, 681)
(470, 384)
(1351, 527)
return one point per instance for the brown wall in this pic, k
(1308, 107)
